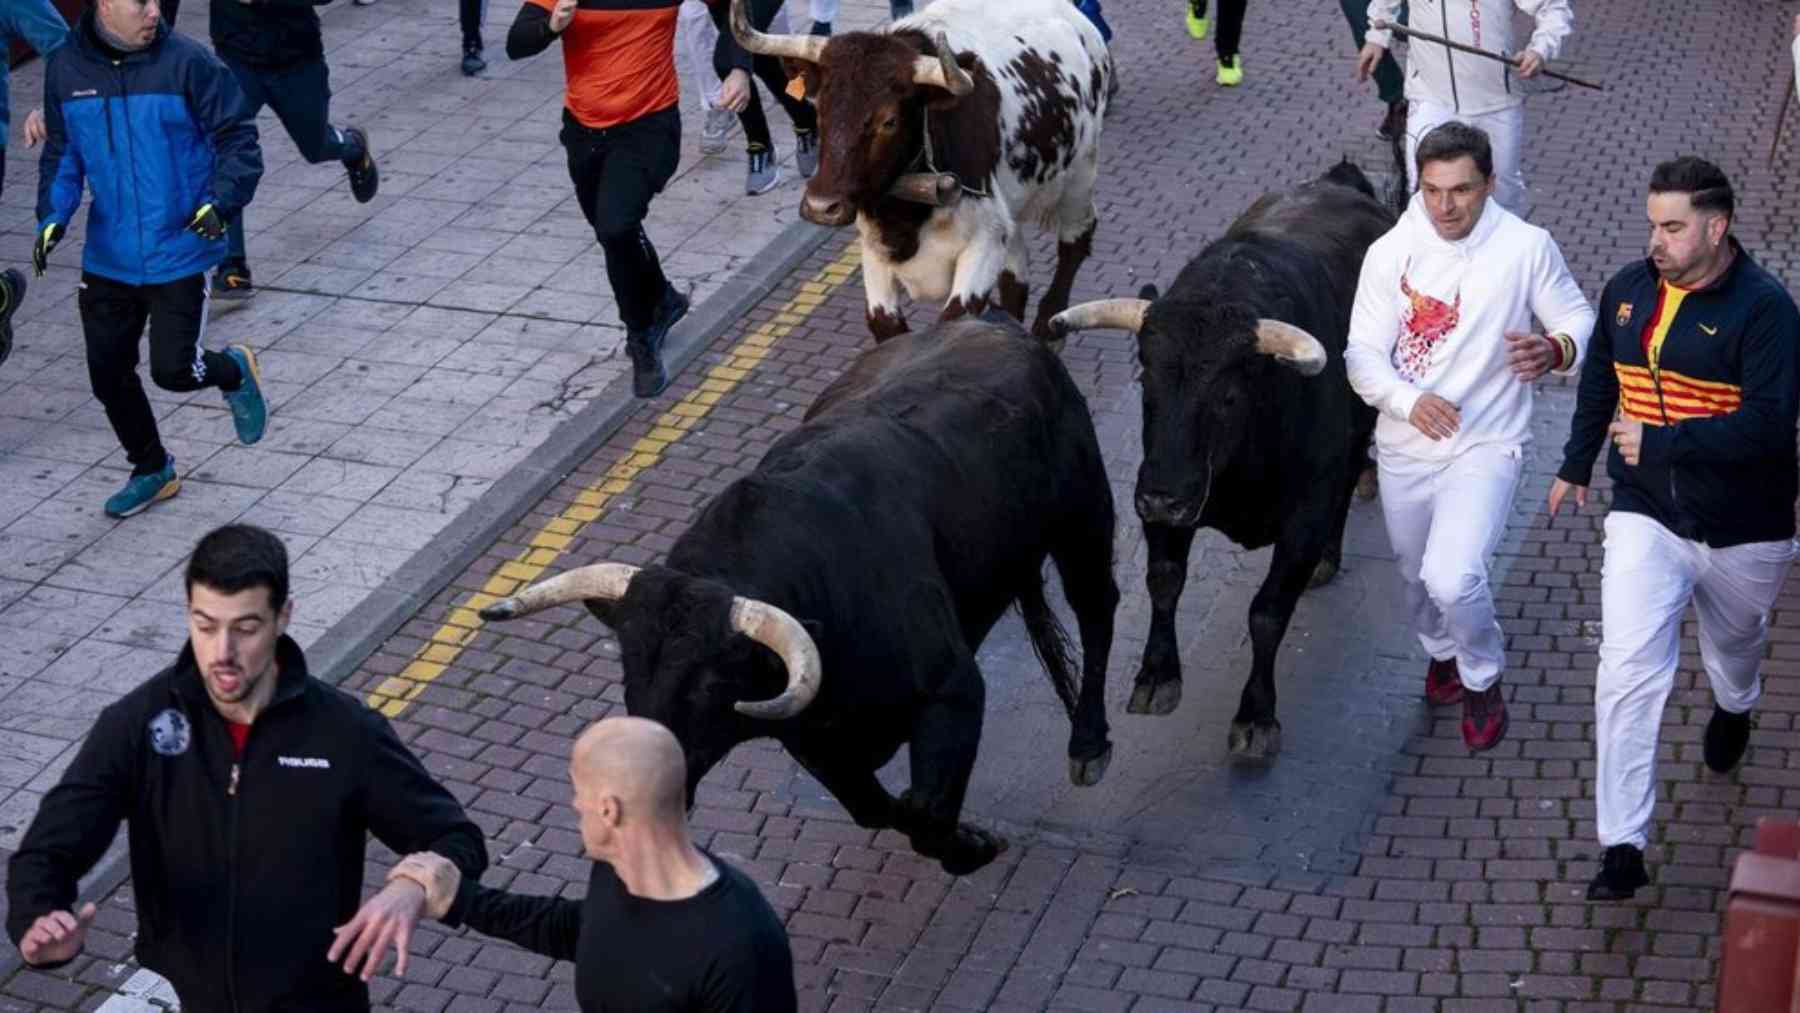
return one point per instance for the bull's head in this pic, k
(1200, 363)
(871, 90)
(689, 648)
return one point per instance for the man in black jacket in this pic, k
(278, 54)
(665, 927)
(1694, 373)
(249, 790)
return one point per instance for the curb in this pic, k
(409, 589)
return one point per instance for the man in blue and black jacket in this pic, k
(158, 131)
(1694, 374)
(43, 29)
(276, 50)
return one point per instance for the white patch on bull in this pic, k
(963, 249)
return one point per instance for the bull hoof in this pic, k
(1323, 574)
(1254, 742)
(1087, 773)
(970, 849)
(1367, 484)
(1156, 698)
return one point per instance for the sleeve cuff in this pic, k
(1658, 444)
(1400, 403)
(1576, 474)
(1379, 36)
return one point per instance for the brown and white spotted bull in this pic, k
(1007, 97)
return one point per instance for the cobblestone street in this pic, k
(1375, 865)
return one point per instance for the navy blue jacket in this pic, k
(240, 866)
(154, 136)
(1719, 409)
(42, 28)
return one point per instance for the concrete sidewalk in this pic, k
(467, 320)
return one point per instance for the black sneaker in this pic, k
(232, 281)
(472, 62)
(648, 378)
(1727, 735)
(821, 28)
(365, 178)
(1621, 873)
(12, 290)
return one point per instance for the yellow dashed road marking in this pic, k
(544, 547)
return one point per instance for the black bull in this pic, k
(916, 503)
(1250, 427)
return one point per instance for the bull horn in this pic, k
(783, 634)
(941, 70)
(1291, 346)
(1123, 314)
(794, 47)
(606, 581)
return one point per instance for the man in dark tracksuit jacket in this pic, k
(155, 128)
(247, 837)
(278, 54)
(1694, 371)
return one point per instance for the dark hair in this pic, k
(1703, 182)
(1451, 141)
(238, 557)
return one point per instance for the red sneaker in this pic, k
(1443, 683)
(1484, 718)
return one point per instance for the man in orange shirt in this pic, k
(622, 131)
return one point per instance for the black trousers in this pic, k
(756, 125)
(113, 315)
(1230, 30)
(471, 13)
(616, 170)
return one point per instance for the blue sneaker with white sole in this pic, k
(248, 409)
(142, 490)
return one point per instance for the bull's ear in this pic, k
(602, 610)
(808, 73)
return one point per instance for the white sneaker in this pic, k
(717, 129)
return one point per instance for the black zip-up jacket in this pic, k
(268, 33)
(1718, 457)
(240, 868)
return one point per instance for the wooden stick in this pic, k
(1508, 60)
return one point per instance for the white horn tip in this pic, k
(1311, 365)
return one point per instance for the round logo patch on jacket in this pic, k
(169, 733)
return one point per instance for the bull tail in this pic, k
(1050, 641)
(1397, 193)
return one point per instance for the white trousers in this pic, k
(1649, 576)
(1506, 135)
(695, 36)
(1444, 519)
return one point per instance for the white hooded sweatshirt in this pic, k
(1432, 316)
(1469, 84)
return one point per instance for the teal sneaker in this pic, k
(248, 409)
(142, 490)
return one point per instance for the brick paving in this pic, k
(1376, 865)
(478, 323)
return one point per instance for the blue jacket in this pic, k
(42, 28)
(154, 135)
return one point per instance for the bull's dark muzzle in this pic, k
(1160, 508)
(832, 211)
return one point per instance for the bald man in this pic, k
(665, 927)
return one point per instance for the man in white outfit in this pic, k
(1443, 84)
(1441, 345)
(1694, 375)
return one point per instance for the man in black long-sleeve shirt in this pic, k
(665, 927)
(1694, 373)
(248, 789)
